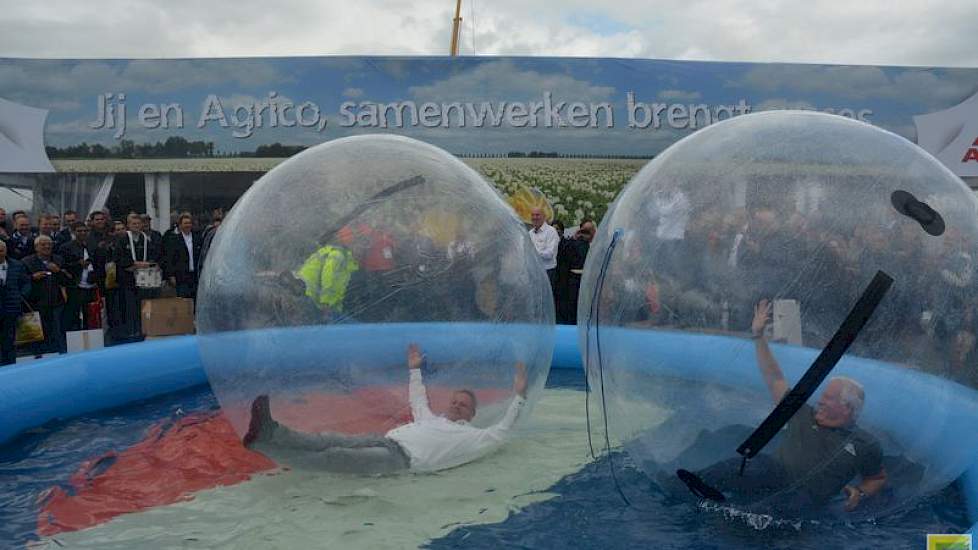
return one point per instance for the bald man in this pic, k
(546, 241)
(428, 443)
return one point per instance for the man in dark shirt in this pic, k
(64, 235)
(155, 237)
(577, 249)
(181, 257)
(21, 243)
(822, 449)
(99, 232)
(46, 297)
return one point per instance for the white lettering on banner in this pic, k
(495, 116)
(553, 111)
(429, 115)
(213, 110)
(548, 113)
(951, 135)
(398, 110)
(514, 111)
(679, 116)
(149, 116)
(111, 114)
(244, 117)
(446, 111)
(578, 115)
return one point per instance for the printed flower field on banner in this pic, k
(573, 188)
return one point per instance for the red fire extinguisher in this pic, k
(93, 312)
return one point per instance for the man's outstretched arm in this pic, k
(499, 429)
(417, 395)
(768, 365)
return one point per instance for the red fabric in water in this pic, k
(202, 451)
(197, 452)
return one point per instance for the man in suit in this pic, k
(132, 250)
(64, 234)
(87, 268)
(155, 237)
(181, 257)
(46, 297)
(15, 285)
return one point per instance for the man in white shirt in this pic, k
(427, 444)
(546, 240)
(80, 262)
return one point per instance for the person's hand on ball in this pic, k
(414, 357)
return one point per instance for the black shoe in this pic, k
(261, 420)
(699, 487)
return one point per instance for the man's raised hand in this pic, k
(519, 380)
(414, 357)
(762, 316)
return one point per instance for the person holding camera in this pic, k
(48, 278)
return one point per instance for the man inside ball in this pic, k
(429, 443)
(821, 452)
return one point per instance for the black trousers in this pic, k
(75, 307)
(186, 285)
(8, 334)
(54, 334)
(763, 477)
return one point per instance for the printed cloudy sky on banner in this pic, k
(236, 103)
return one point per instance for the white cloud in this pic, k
(353, 92)
(64, 82)
(503, 80)
(867, 32)
(679, 95)
(73, 127)
(780, 104)
(859, 83)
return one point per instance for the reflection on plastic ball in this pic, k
(773, 225)
(337, 259)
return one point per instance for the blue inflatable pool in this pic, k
(68, 386)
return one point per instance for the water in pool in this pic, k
(541, 491)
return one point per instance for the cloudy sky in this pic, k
(864, 32)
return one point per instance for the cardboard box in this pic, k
(168, 316)
(786, 325)
(30, 358)
(81, 340)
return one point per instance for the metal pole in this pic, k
(455, 27)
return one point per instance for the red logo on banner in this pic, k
(972, 153)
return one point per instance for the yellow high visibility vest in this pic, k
(327, 274)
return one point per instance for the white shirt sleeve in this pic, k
(418, 397)
(551, 242)
(500, 429)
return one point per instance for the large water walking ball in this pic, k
(765, 232)
(343, 255)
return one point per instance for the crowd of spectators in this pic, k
(709, 276)
(61, 265)
(700, 272)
